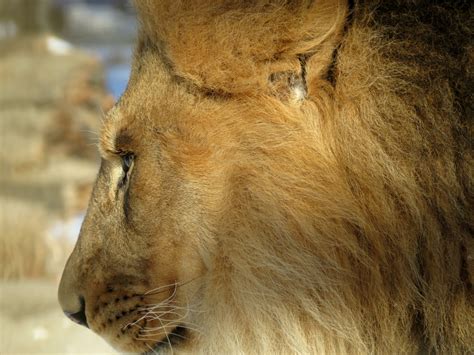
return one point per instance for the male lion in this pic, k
(285, 177)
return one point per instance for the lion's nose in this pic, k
(70, 297)
(78, 317)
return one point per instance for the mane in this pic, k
(365, 245)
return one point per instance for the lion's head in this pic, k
(265, 188)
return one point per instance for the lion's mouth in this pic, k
(175, 337)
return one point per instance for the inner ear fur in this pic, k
(237, 46)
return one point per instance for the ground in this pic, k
(32, 322)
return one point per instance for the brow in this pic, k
(118, 143)
(123, 141)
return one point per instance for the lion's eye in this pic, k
(127, 161)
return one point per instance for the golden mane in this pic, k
(314, 172)
(370, 235)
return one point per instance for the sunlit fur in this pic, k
(335, 220)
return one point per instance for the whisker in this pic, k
(158, 289)
(134, 323)
(167, 337)
(95, 133)
(150, 306)
(189, 326)
(176, 284)
(161, 314)
(177, 322)
(165, 308)
(149, 331)
(157, 312)
(149, 339)
(164, 302)
(149, 347)
(150, 315)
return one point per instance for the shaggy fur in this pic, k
(302, 178)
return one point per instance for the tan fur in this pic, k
(335, 222)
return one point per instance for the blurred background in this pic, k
(63, 63)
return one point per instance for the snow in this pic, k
(58, 46)
(68, 229)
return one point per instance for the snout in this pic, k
(79, 316)
(71, 300)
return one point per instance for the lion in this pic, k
(285, 177)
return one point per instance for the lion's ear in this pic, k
(243, 47)
(289, 85)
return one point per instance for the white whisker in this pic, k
(159, 288)
(149, 347)
(169, 342)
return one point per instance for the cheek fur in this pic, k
(116, 173)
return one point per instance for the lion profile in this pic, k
(285, 177)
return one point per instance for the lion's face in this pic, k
(145, 244)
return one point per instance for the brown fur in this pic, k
(334, 221)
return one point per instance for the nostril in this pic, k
(79, 317)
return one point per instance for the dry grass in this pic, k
(48, 107)
(23, 246)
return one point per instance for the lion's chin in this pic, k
(175, 338)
